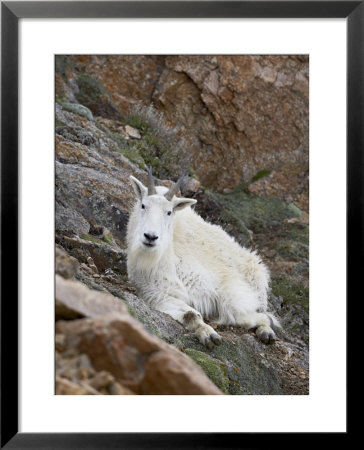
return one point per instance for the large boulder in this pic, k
(117, 343)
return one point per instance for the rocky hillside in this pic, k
(239, 126)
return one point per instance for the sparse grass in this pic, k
(261, 174)
(147, 119)
(243, 187)
(133, 155)
(161, 145)
(136, 121)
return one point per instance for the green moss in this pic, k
(246, 373)
(292, 293)
(88, 237)
(213, 368)
(108, 238)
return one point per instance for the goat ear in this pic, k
(181, 203)
(139, 188)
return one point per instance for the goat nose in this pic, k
(151, 237)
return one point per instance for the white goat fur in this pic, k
(195, 267)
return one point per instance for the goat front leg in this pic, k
(192, 320)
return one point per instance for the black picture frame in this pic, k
(11, 12)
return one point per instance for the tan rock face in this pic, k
(246, 113)
(238, 114)
(143, 364)
(74, 300)
(75, 375)
(119, 348)
(128, 78)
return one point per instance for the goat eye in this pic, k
(169, 213)
(143, 206)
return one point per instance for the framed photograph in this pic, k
(196, 168)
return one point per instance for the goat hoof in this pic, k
(216, 339)
(209, 344)
(212, 340)
(266, 336)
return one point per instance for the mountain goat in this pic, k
(190, 269)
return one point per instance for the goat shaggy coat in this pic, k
(191, 269)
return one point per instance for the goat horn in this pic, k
(151, 187)
(169, 195)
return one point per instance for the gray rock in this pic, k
(156, 322)
(67, 219)
(104, 255)
(132, 132)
